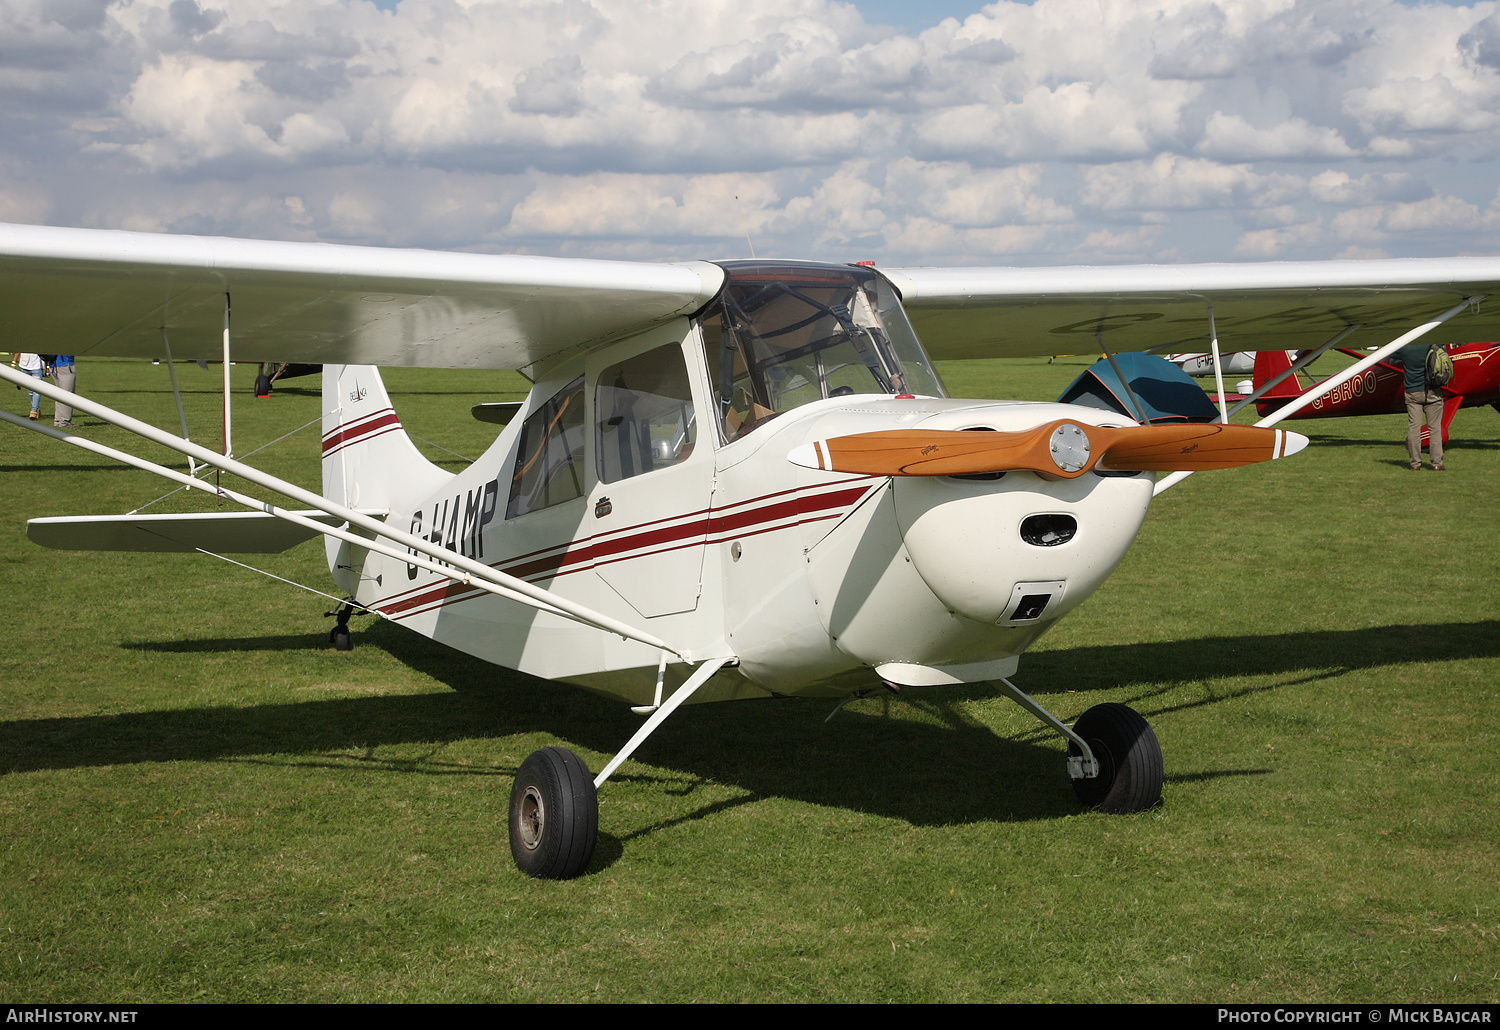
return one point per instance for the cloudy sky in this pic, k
(1059, 131)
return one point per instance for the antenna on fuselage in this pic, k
(743, 224)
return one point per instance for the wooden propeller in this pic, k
(1064, 449)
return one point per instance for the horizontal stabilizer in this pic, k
(240, 532)
(500, 413)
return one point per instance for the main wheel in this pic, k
(1130, 768)
(554, 815)
(341, 638)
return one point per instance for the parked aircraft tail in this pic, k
(1271, 363)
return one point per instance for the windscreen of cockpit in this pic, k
(785, 333)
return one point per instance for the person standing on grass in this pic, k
(64, 374)
(1424, 402)
(32, 365)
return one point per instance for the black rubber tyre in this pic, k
(262, 386)
(341, 638)
(1130, 767)
(554, 815)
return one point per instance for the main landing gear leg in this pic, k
(1113, 756)
(554, 806)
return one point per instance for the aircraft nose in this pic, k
(1019, 548)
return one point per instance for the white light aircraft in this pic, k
(1203, 365)
(730, 480)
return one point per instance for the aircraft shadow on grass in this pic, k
(942, 768)
(84, 467)
(1458, 440)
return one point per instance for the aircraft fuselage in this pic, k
(648, 479)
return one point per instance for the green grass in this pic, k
(200, 800)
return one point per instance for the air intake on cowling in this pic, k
(1048, 530)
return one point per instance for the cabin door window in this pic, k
(644, 414)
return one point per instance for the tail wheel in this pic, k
(554, 815)
(1130, 766)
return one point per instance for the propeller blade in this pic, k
(926, 452)
(1064, 449)
(1195, 448)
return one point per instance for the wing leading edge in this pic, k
(1015, 312)
(110, 293)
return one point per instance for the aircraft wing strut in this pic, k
(412, 549)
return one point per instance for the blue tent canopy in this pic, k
(1167, 393)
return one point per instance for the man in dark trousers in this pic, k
(1424, 402)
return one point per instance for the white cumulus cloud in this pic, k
(1030, 132)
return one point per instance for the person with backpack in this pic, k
(64, 374)
(1427, 369)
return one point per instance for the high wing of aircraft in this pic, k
(113, 293)
(730, 479)
(1378, 390)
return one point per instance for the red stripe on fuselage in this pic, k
(557, 554)
(591, 555)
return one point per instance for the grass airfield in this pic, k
(200, 800)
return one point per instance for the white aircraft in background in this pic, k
(730, 480)
(1240, 363)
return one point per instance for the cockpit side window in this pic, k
(643, 408)
(920, 374)
(740, 400)
(549, 462)
(784, 334)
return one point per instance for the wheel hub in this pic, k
(533, 818)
